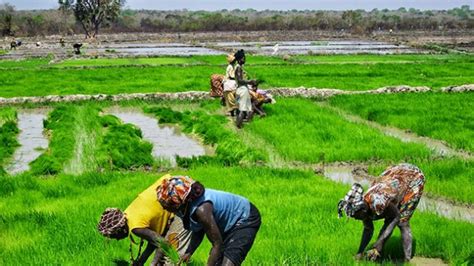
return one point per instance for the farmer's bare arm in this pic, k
(392, 217)
(196, 239)
(149, 235)
(206, 218)
(153, 241)
(239, 76)
(366, 235)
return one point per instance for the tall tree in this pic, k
(92, 14)
(6, 19)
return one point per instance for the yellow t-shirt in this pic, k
(146, 212)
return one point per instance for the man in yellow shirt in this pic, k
(146, 218)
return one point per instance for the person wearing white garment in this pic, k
(230, 86)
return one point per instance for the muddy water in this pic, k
(167, 141)
(31, 139)
(323, 47)
(169, 50)
(345, 174)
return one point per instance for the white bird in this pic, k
(275, 49)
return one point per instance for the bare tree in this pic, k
(92, 14)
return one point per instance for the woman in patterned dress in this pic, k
(394, 197)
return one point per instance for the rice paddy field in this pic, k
(94, 160)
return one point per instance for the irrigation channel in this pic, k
(31, 139)
(349, 174)
(168, 142)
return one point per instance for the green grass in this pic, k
(88, 133)
(300, 130)
(122, 146)
(60, 125)
(33, 80)
(8, 133)
(371, 59)
(23, 64)
(448, 117)
(298, 209)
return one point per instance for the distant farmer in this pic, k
(146, 219)
(243, 95)
(393, 197)
(260, 97)
(77, 48)
(229, 221)
(14, 44)
(230, 85)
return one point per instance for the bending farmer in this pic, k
(393, 198)
(229, 221)
(146, 219)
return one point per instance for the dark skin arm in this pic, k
(366, 236)
(239, 76)
(206, 218)
(153, 243)
(392, 217)
(196, 239)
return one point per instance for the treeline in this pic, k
(47, 22)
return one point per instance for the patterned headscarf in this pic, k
(173, 191)
(352, 202)
(112, 222)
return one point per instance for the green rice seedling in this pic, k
(442, 116)
(122, 147)
(88, 133)
(61, 127)
(38, 81)
(299, 219)
(8, 132)
(24, 64)
(300, 130)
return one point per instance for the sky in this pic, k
(261, 5)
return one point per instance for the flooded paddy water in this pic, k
(348, 174)
(319, 47)
(31, 138)
(168, 141)
(126, 49)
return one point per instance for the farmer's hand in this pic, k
(184, 258)
(359, 256)
(373, 254)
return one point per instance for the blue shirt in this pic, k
(228, 209)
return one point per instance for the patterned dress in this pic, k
(402, 185)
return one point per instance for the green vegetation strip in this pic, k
(123, 147)
(60, 126)
(160, 77)
(8, 132)
(300, 130)
(299, 219)
(448, 117)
